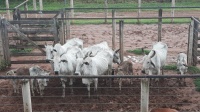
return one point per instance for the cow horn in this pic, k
(117, 50)
(185, 65)
(154, 52)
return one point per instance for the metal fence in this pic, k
(170, 92)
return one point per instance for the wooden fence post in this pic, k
(62, 29)
(41, 5)
(121, 39)
(35, 6)
(26, 96)
(67, 26)
(5, 41)
(144, 104)
(160, 25)
(172, 10)
(195, 41)
(25, 9)
(1, 42)
(139, 10)
(72, 10)
(56, 39)
(106, 10)
(190, 43)
(8, 11)
(113, 29)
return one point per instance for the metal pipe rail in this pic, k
(103, 76)
(104, 18)
(21, 4)
(135, 8)
(195, 19)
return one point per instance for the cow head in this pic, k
(49, 52)
(116, 57)
(148, 62)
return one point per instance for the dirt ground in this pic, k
(167, 94)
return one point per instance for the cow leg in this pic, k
(14, 85)
(32, 85)
(71, 86)
(88, 88)
(120, 84)
(96, 86)
(63, 85)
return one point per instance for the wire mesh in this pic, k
(169, 92)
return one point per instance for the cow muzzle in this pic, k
(56, 72)
(143, 71)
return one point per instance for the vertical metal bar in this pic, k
(113, 29)
(144, 104)
(121, 36)
(159, 25)
(26, 97)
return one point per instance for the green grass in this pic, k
(27, 50)
(170, 67)
(197, 84)
(138, 51)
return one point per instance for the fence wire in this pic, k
(168, 92)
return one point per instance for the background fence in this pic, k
(167, 94)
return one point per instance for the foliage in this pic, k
(3, 64)
(193, 70)
(138, 51)
(197, 84)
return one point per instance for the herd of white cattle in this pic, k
(74, 59)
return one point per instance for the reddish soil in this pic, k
(169, 93)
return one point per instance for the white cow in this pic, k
(94, 66)
(61, 49)
(155, 60)
(38, 84)
(182, 63)
(66, 65)
(93, 50)
(49, 52)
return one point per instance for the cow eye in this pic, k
(63, 60)
(54, 50)
(86, 63)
